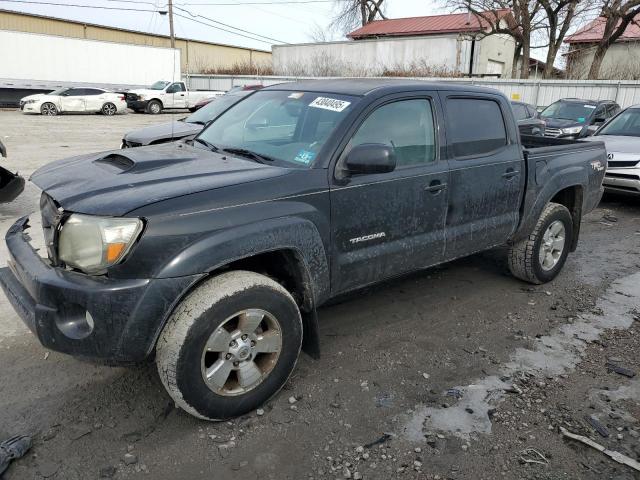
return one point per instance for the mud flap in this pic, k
(11, 185)
(311, 335)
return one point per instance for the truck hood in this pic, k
(562, 123)
(145, 91)
(619, 144)
(163, 131)
(116, 182)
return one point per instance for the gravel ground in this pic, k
(458, 372)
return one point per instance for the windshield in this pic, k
(626, 124)
(159, 85)
(60, 91)
(287, 127)
(578, 112)
(214, 108)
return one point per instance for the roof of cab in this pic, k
(365, 86)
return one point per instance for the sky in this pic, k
(287, 23)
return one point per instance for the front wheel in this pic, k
(49, 109)
(230, 345)
(540, 257)
(154, 107)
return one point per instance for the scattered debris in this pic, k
(292, 400)
(612, 367)
(130, 459)
(455, 393)
(259, 412)
(384, 438)
(616, 456)
(531, 455)
(609, 218)
(513, 388)
(46, 355)
(108, 472)
(12, 449)
(597, 426)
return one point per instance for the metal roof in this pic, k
(436, 24)
(593, 32)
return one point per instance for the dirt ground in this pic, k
(458, 372)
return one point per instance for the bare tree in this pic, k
(353, 13)
(616, 15)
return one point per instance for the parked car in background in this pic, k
(164, 95)
(186, 127)
(576, 118)
(621, 136)
(11, 184)
(75, 100)
(527, 117)
(208, 100)
(213, 258)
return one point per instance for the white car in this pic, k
(621, 136)
(75, 100)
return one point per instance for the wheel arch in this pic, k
(286, 266)
(572, 198)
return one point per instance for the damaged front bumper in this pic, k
(11, 185)
(117, 320)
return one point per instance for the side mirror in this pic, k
(591, 129)
(371, 158)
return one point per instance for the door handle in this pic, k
(510, 174)
(435, 187)
(182, 94)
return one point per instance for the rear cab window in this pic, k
(475, 127)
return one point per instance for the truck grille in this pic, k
(131, 97)
(552, 132)
(51, 215)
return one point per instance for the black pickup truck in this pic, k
(213, 257)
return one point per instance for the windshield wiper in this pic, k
(249, 154)
(198, 122)
(210, 146)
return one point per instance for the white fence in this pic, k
(536, 92)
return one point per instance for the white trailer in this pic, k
(46, 62)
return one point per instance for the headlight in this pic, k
(572, 130)
(92, 244)
(140, 97)
(29, 101)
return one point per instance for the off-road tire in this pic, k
(109, 109)
(151, 107)
(183, 339)
(524, 256)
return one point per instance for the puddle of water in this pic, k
(553, 354)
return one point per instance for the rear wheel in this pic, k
(154, 107)
(109, 109)
(49, 109)
(540, 257)
(230, 345)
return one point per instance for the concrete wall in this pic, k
(437, 55)
(196, 56)
(48, 58)
(621, 62)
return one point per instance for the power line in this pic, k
(284, 2)
(219, 28)
(30, 2)
(228, 26)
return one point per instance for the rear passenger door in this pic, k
(386, 224)
(93, 99)
(486, 173)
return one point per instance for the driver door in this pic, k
(177, 93)
(387, 224)
(73, 100)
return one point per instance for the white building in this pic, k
(440, 45)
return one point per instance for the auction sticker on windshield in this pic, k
(332, 104)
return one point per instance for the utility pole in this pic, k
(171, 33)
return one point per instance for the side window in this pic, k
(600, 112)
(475, 126)
(406, 125)
(92, 91)
(75, 92)
(520, 111)
(175, 88)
